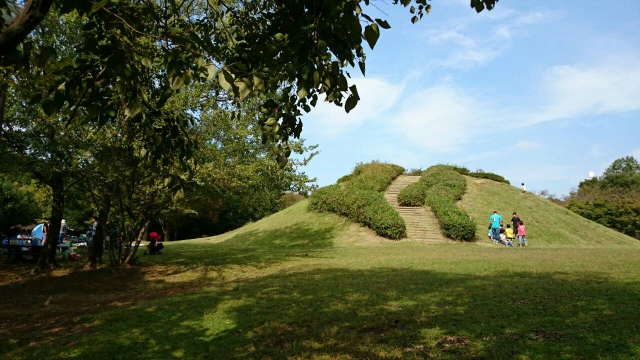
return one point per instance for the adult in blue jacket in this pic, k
(496, 220)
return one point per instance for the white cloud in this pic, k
(439, 118)
(480, 46)
(376, 96)
(574, 91)
(527, 145)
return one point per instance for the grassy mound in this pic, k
(548, 224)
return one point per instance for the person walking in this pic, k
(64, 228)
(495, 220)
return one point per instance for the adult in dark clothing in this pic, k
(155, 244)
(515, 220)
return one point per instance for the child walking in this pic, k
(522, 235)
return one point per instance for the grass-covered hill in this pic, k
(306, 285)
(548, 224)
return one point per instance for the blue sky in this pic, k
(540, 92)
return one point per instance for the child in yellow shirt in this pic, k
(509, 233)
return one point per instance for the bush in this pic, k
(444, 186)
(490, 176)
(289, 199)
(412, 195)
(374, 176)
(359, 197)
(414, 172)
(480, 174)
(366, 207)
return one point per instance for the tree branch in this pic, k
(32, 14)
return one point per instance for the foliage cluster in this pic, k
(16, 206)
(289, 199)
(613, 199)
(359, 197)
(414, 172)
(440, 187)
(480, 174)
(487, 175)
(412, 195)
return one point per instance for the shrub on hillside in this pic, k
(414, 172)
(461, 169)
(289, 199)
(490, 176)
(480, 174)
(374, 176)
(412, 195)
(366, 207)
(444, 186)
(358, 196)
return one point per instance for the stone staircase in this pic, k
(422, 225)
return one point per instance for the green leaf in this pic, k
(146, 62)
(354, 91)
(351, 102)
(383, 24)
(133, 109)
(302, 93)
(362, 66)
(178, 195)
(258, 83)
(211, 70)
(241, 89)
(98, 5)
(414, 19)
(371, 34)
(225, 79)
(177, 83)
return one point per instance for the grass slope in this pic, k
(548, 224)
(305, 285)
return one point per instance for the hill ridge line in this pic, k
(422, 224)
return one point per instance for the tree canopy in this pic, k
(613, 199)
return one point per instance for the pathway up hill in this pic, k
(548, 224)
(422, 225)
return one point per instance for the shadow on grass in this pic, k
(253, 247)
(74, 290)
(380, 313)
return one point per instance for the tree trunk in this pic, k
(48, 255)
(3, 101)
(166, 229)
(141, 236)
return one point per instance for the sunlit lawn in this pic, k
(300, 286)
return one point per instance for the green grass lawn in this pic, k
(304, 285)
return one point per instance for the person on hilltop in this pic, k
(524, 188)
(522, 235)
(496, 221)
